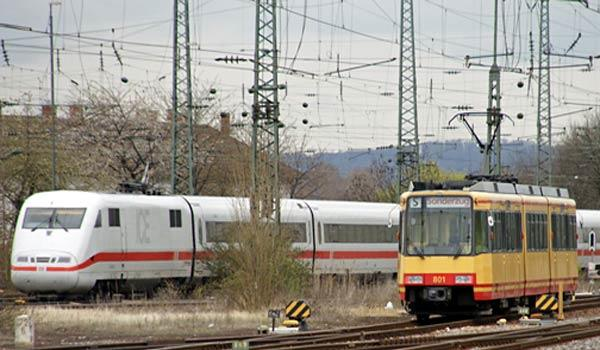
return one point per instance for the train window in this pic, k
(573, 235)
(175, 217)
(481, 232)
(537, 232)
(543, 231)
(60, 218)
(498, 236)
(348, 233)
(98, 219)
(200, 231)
(114, 217)
(439, 226)
(506, 232)
(564, 230)
(515, 232)
(215, 231)
(296, 230)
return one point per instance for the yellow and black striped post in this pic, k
(546, 303)
(297, 310)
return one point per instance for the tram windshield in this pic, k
(438, 226)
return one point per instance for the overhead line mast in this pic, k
(544, 121)
(407, 155)
(182, 147)
(265, 198)
(493, 162)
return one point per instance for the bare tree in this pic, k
(577, 163)
(374, 184)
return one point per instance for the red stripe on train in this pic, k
(202, 255)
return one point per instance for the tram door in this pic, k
(537, 257)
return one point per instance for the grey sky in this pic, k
(360, 31)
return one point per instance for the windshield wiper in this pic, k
(419, 252)
(41, 223)
(60, 224)
(458, 251)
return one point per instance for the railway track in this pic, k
(392, 335)
(582, 302)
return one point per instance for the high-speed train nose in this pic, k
(44, 272)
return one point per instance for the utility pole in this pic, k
(407, 155)
(492, 163)
(544, 121)
(52, 101)
(265, 198)
(182, 132)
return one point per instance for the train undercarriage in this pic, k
(459, 301)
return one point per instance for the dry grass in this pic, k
(169, 323)
(332, 304)
(348, 302)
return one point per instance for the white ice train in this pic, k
(588, 247)
(73, 242)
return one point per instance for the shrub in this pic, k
(255, 267)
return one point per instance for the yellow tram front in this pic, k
(437, 263)
(468, 251)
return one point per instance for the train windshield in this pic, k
(60, 218)
(438, 226)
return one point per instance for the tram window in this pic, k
(114, 218)
(497, 233)
(537, 232)
(555, 232)
(543, 220)
(530, 232)
(516, 231)
(481, 232)
(563, 232)
(506, 232)
(573, 232)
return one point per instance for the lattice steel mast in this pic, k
(182, 159)
(544, 121)
(407, 155)
(265, 197)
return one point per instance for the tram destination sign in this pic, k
(447, 202)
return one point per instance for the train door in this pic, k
(123, 231)
(554, 233)
(523, 237)
(202, 249)
(496, 224)
(537, 267)
(312, 238)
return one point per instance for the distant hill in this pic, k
(458, 155)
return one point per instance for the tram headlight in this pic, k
(463, 279)
(414, 279)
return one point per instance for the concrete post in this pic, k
(24, 332)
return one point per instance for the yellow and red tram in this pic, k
(482, 246)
